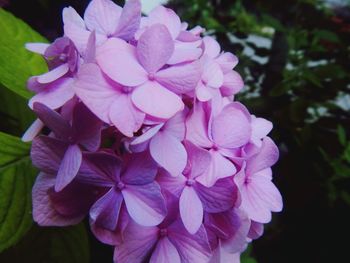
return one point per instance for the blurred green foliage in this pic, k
(295, 59)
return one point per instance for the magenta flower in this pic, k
(130, 182)
(221, 133)
(167, 242)
(160, 138)
(54, 88)
(259, 195)
(105, 18)
(195, 198)
(157, 91)
(61, 155)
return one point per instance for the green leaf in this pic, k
(341, 135)
(51, 245)
(15, 114)
(246, 256)
(16, 180)
(16, 63)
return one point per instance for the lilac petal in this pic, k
(53, 120)
(211, 47)
(167, 17)
(105, 211)
(53, 74)
(94, 90)
(155, 100)
(191, 210)
(165, 252)
(106, 168)
(260, 129)
(192, 248)
(174, 185)
(145, 204)
(220, 255)
(159, 148)
(187, 36)
(220, 167)
(69, 167)
(198, 160)
(147, 135)
(218, 198)
(185, 52)
(176, 125)
(74, 28)
(125, 116)
(116, 236)
(233, 83)
(180, 79)
(129, 21)
(118, 60)
(155, 48)
(203, 92)
(33, 131)
(231, 128)
(196, 127)
(256, 230)
(140, 169)
(267, 157)
(259, 197)
(227, 61)
(39, 48)
(102, 16)
(43, 211)
(138, 244)
(56, 94)
(212, 74)
(90, 53)
(47, 153)
(87, 126)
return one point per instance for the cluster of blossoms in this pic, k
(144, 137)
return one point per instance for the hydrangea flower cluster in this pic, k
(144, 137)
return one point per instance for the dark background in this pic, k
(297, 81)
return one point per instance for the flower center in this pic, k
(127, 89)
(63, 57)
(215, 147)
(151, 76)
(120, 185)
(163, 232)
(190, 182)
(247, 180)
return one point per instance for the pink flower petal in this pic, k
(39, 48)
(53, 74)
(105, 211)
(260, 129)
(196, 127)
(191, 210)
(165, 252)
(102, 16)
(145, 204)
(220, 255)
(44, 212)
(176, 125)
(159, 148)
(231, 128)
(220, 167)
(233, 84)
(125, 116)
(95, 91)
(180, 79)
(138, 243)
(74, 28)
(211, 47)
(198, 160)
(90, 52)
(69, 167)
(267, 157)
(227, 61)
(33, 131)
(218, 198)
(155, 48)
(167, 17)
(147, 135)
(174, 185)
(118, 60)
(191, 248)
(140, 169)
(157, 101)
(184, 52)
(55, 94)
(212, 74)
(129, 21)
(256, 230)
